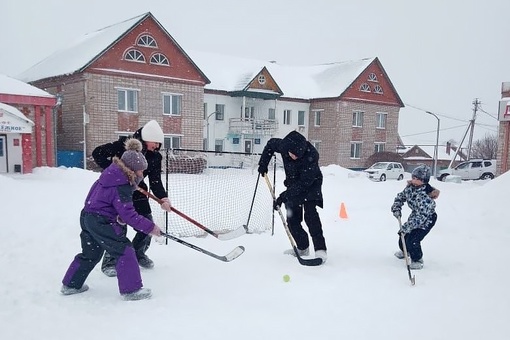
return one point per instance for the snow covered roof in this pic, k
(20, 124)
(80, 53)
(428, 149)
(13, 86)
(228, 73)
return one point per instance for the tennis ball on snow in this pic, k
(286, 278)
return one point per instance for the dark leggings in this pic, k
(414, 238)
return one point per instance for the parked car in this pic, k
(382, 171)
(472, 169)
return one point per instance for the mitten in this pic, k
(262, 169)
(277, 203)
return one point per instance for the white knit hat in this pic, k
(152, 132)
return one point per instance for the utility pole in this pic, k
(476, 102)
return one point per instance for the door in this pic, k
(247, 146)
(3, 154)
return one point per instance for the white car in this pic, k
(472, 169)
(382, 171)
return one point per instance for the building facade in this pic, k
(135, 71)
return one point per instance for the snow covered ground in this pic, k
(362, 292)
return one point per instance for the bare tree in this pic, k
(486, 148)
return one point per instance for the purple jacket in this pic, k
(111, 196)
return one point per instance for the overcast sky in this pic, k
(440, 55)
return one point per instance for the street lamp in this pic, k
(437, 144)
(207, 123)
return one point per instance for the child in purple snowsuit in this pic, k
(108, 208)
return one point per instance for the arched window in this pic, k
(134, 55)
(147, 41)
(364, 87)
(378, 89)
(372, 77)
(159, 59)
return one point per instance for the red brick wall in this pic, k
(336, 131)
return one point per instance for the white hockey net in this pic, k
(221, 192)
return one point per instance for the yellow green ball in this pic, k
(286, 278)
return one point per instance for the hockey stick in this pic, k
(223, 236)
(235, 253)
(305, 262)
(251, 206)
(404, 250)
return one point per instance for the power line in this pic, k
(439, 114)
(427, 132)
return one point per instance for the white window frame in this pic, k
(378, 89)
(357, 118)
(356, 148)
(159, 59)
(170, 141)
(301, 118)
(220, 112)
(317, 117)
(249, 112)
(271, 113)
(372, 77)
(134, 55)
(147, 41)
(219, 145)
(364, 88)
(172, 104)
(380, 120)
(130, 103)
(287, 114)
(379, 147)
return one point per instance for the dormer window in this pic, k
(261, 79)
(147, 41)
(159, 59)
(364, 87)
(378, 89)
(134, 55)
(372, 77)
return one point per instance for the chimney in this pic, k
(448, 148)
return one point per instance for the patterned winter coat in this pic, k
(421, 204)
(303, 175)
(104, 154)
(111, 196)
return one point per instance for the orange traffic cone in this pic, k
(343, 212)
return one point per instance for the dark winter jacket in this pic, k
(421, 204)
(303, 175)
(111, 196)
(103, 155)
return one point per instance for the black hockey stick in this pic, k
(404, 250)
(235, 253)
(223, 236)
(251, 206)
(305, 262)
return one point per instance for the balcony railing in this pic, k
(249, 126)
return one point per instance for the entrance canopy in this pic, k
(13, 120)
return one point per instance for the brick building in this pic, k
(115, 79)
(112, 81)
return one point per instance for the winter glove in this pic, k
(277, 203)
(397, 213)
(166, 205)
(262, 169)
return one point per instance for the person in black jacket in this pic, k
(304, 190)
(151, 136)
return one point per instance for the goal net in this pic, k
(220, 191)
